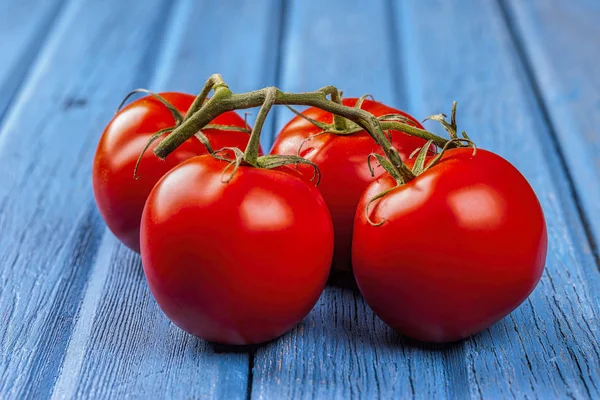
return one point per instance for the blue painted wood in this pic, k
(246, 54)
(560, 44)
(122, 344)
(23, 29)
(548, 348)
(78, 320)
(50, 229)
(348, 44)
(342, 350)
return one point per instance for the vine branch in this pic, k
(224, 100)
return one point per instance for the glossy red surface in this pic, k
(240, 262)
(462, 246)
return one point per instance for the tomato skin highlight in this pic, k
(461, 247)
(343, 164)
(240, 262)
(119, 197)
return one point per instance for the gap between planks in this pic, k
(525, 61)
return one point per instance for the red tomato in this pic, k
(119, 197)
(240, 262)
(462, 246)
(343, 164)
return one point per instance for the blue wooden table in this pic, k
(76, 317)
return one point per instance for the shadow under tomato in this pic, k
(345, 314)
(342, 279)
(237, 349)
(427, 346)
(390, 337)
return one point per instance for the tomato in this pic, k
(119, 197)
(342, 160)
(460, 247)
(240, 262)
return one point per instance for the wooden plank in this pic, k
(77, 317)
(548, 348)
(50, 229)
(559, 40)
(342, 350)
(347, 43)
(23, 29)
(246, 53)
(129, 349)
(123, 345)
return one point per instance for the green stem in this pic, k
(211, 83)
(251, 154)
(224, 100)
(339, 122)
(402, 169)
(414, 131)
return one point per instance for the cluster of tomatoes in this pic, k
(238, 251)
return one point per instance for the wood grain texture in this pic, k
(123, 346)
(348, 44)
(548, 348)
(132, 350)
(559, 40)
(50, 229)
(24, 26)
(246, 53)
(77, 318)
(342, 350)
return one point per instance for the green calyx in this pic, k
(421, 164)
